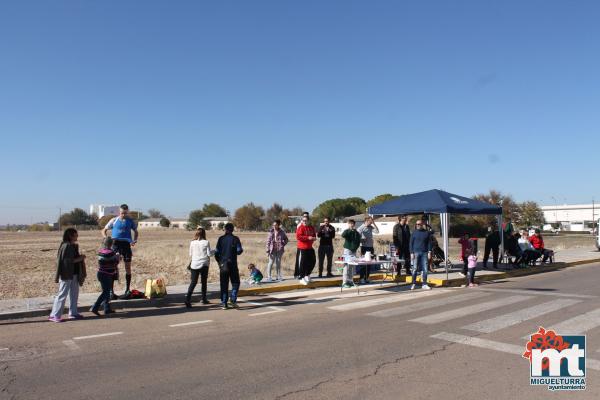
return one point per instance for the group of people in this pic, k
(414, 248)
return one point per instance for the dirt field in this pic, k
(27, 264)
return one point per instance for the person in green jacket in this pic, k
(351, 244)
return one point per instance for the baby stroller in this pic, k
(437, 255)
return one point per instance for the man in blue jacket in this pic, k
(420, 253)
(228, 248)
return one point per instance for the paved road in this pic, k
(385, 343)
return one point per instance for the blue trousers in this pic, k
(421, 262)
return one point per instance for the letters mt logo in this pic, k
(556, 361)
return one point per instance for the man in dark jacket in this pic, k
(226, 252)
(401, 239)
(420, 252)
(492, 242)
(326, 234)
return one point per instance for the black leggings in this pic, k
(203, 273)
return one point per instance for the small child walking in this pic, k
(255, 275)
(472, 264)
(108, 261)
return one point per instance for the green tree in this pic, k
(195, 219)
(338, 208)
(164, 222)
(78, 217)
(380, 199)
(214, 210)
(249, 217)
(154, 213)
(530, 214)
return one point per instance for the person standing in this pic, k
(420, 252)
(492, 243)
(306, 235)
(296, 264)
(107, 269)
(276, 242)
(366, 231)
(70, 273)
(200, 254)
(326, 234)
(228, 248)
(121, 228)
(351, 244)
(401, 237)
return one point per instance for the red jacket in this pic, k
(302, 234)
(537, 242)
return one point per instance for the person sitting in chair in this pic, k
(529, 253)
(537, 241)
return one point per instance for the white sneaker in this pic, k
(280, 278)
(412, 287)
(304, 282)
(461, 274)
(307, 279)
(425, 287)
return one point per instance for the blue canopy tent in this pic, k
(439, 202)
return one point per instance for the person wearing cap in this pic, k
(226, 252)
(121, 228)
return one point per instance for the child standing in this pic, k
(465, 245)
(107, 269)
(472, 264)
(255, 275)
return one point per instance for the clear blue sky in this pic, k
(171, 104)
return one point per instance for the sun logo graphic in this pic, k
(556, 361)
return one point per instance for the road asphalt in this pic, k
(382, 343)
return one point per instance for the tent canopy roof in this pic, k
(434, 202)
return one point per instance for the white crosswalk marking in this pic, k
(407, 296)
(472, 309)
(498, 346)
(516, 317)
(576, 325)
(391, 312)
(538, 292)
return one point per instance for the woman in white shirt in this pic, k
(200, 253)
(529, 253)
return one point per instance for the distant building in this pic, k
(572, 217)
(101, 210)
(216, 221)
(179, 223)
(149, 223)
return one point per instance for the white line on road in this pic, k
(206, 321)
(498, 346)
(4, 349)
(407, 296)
(539, 292)
(71, 345)
(265, 313)
(516, 317)
(468, 310)
(391, 312)
(97, 336)
(577, 325)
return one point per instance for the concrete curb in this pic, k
(178, 298)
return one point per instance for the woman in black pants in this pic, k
(200, 253)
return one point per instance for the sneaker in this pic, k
(329, 276)
(54, 319)
(205, 301)
(224, 306)
(77, 316)
(233, 304)
(114, 296)
(320, 275)
(362, 281)
(462, 274)
(94, 311)
(280, 278)
(307, 279)
(303, 282)
(425, 287)
(471, 285)
(346, 285)
(126, 295)
(188, 304)
(412, 287)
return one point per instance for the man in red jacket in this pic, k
(537, 241)
(306, 235)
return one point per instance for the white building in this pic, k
(149, 223)
(572, 217)
(101, 210)
(216, 221)
(179, 223)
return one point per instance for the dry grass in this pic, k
(28, 259)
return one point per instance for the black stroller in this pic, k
(437, 255)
